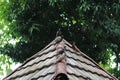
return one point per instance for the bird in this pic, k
(59, 33)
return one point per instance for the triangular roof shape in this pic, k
(60, 58)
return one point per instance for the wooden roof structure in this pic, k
(60, 60)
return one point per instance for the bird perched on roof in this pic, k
(58, 36)
(59, 33)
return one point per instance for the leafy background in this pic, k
(26, 26)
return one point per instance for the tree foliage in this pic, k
(93, 24)
(5, 67)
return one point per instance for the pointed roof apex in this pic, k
(60, 60)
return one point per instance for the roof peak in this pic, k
(58, 57)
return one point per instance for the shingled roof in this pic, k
(58, 60)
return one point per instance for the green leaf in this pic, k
(34, 27)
